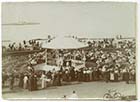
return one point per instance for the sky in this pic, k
(88, 19)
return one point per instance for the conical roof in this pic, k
(64, 43)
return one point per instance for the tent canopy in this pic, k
(64, 43)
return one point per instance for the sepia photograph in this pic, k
(69, 50)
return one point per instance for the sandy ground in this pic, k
(83, 90)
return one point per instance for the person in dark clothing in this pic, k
(24, 42)
(10, 46)
(64, 63)
(126, 76)
(81, 75)
(4, 78)
(20, 47)
(70, 63)
(133, 75)
(107, 75)
(61, 69)
(58, 78)
(76, 75)
(94, 75)
(11, 81)
(55, 79)
(35, 82)
(72, 74)
(97, 74)
(31, 83)
(21, 77)
(49, 75)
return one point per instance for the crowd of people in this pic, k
(23, 46)
(31, 80)
(36, 58)
(112, 43)
(112, 65)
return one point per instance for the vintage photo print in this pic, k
(69, 50)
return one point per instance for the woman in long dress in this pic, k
(21, 77)
(25, 82)
(35, 82)
(11, 81)
(43, 81)
(112, 76)
(31, 83)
